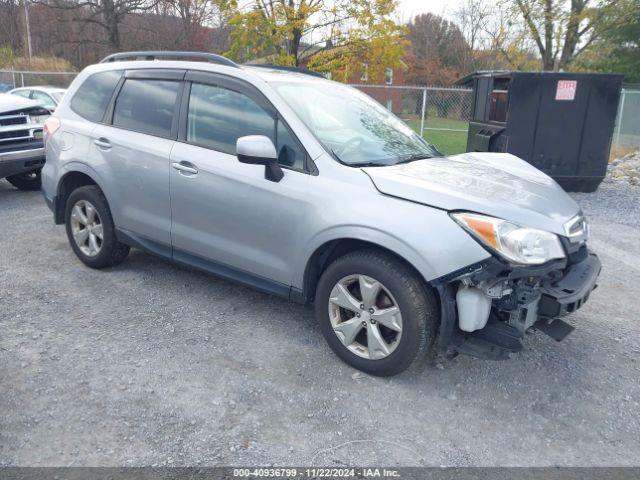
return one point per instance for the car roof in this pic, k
(276, 75)
(265, 73)
(259, 77)
(43, 88)
(206, 61)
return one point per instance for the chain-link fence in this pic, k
(440, 114)
(627, 132)
(14, 78)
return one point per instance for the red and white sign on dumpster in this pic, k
(566, 89)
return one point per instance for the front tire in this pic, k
(90, 229)
(27, 181)
(375, 312)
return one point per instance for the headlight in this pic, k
(517, 244)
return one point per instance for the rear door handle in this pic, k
(102, 143)
(185, 168)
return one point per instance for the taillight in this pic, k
(51, 124)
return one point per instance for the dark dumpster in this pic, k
(561, 123)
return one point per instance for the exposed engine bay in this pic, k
(487, 310)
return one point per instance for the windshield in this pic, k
(352, 126)
(58, 95)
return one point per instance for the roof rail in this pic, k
(286, 68)
(156, 55)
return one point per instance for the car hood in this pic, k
(14, 104)
(497, 184)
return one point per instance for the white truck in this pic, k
(21, 148)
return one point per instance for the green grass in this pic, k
(447, 142)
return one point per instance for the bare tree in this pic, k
(487, 29)
(10, 31)
(192, 15)
(108, 15)
(473, 18)
(561, 30)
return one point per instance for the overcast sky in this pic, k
(411, 8)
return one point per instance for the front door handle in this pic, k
(102, 143)
(185, 168)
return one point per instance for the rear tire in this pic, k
(27, 181)
(383, 345)
(90, 228)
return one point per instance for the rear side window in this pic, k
(146, 106)
(92, 98)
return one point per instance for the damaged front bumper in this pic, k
(487, 308)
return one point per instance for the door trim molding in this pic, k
(142, 243)
(230, 273)
(218, 269)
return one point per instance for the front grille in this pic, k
(16, 129)
(17, 133)
(28, 144)
(13, 120)
(4, 135)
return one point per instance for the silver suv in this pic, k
(308, 189)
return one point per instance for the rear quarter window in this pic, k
(92, 98)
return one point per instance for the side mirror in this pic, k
(259, 150)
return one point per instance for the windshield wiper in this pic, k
(413, 158)
(357, 164)
(367, 164)
(407, 159)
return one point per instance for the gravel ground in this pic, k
(153, 364)
(625, 169)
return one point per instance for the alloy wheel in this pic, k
(86, 228)
(365, 316)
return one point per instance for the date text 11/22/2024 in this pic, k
(315, 473)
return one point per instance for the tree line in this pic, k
(333, 35)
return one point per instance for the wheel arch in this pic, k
(71, 180)
(335, 248)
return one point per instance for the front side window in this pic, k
(91, 99)
(289, 152)
(146, 106)
(218, 116)
(352, 126)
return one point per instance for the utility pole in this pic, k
(26, 20)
